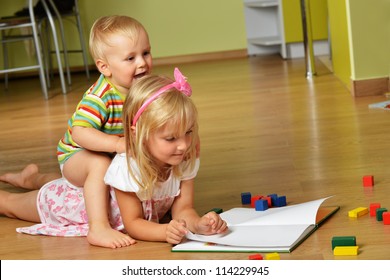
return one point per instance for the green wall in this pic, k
(293, 20)
(339, 39)
(360, 29)
(369, 38)
(176, 27)
(360, 36)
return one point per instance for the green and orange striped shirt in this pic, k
(100, 108)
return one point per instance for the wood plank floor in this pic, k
(264, 128)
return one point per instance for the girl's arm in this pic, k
(183, 210)
(139, 228)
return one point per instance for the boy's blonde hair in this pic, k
(170, 108)
(104, 27)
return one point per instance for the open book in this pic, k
(274, 230)
(380, 105)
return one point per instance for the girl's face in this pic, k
(168, 148)
(127, 60)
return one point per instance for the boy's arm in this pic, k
(95, 140)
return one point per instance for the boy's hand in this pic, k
(197, 147)
(120, 145)
(211, 223)
(175, 232)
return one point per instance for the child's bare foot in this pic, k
(109, 238)
(24, 179)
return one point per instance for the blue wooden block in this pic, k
(281, 201)
(261, 205)
(274, 198)
(246, 198)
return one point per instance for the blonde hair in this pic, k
(104, 27)
(170, 108)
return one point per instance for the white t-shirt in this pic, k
(117, 176)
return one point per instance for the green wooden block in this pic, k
(343, 241)
(216, 210)
(379, 213)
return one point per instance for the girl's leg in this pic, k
(29, 178)
(21, 206)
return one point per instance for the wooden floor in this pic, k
(264, 128)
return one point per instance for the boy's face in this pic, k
(126, 60)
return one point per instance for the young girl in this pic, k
(161, 134)
(161, 131)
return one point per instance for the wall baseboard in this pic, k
(370, 87)
(156, 61)
(200, 57)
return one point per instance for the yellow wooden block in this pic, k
(346, 250)
(358, 212)
(272, 256)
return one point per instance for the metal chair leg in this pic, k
(55, 40)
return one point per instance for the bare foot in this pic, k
(24, 179)
(109, 238)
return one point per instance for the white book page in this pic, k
(273, 227)
(304, 213)
(255, 236)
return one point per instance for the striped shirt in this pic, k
(100, 108)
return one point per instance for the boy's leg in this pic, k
(87, 169)
(21, 206)
(29, 178)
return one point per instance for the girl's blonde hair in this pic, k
(104, 27)
(171, 108)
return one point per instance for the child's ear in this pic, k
(103, 67)
(132, 128)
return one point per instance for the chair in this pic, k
(48, 17)
(6, 26)
(74, 17)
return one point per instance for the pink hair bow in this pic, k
(180, 84)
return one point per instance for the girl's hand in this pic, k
(211, 223)
(175, 232)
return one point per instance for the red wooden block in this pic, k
(254, 198)
(256, 257)
(368, 181)
(386, 218)
(373, 207)
(269, 200)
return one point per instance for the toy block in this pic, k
(246, 198)
(373, 207)
(346, 250)
(386, 218)
(273, 197)
(216, 210)
(343, 241)
(253, 200)
(269, 201)
(261, 205)
(272, 256)
(368, 181)
(379, 213)
(358, 212)
(255, 257)
(281, 201)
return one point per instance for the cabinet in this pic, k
(264, 27)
